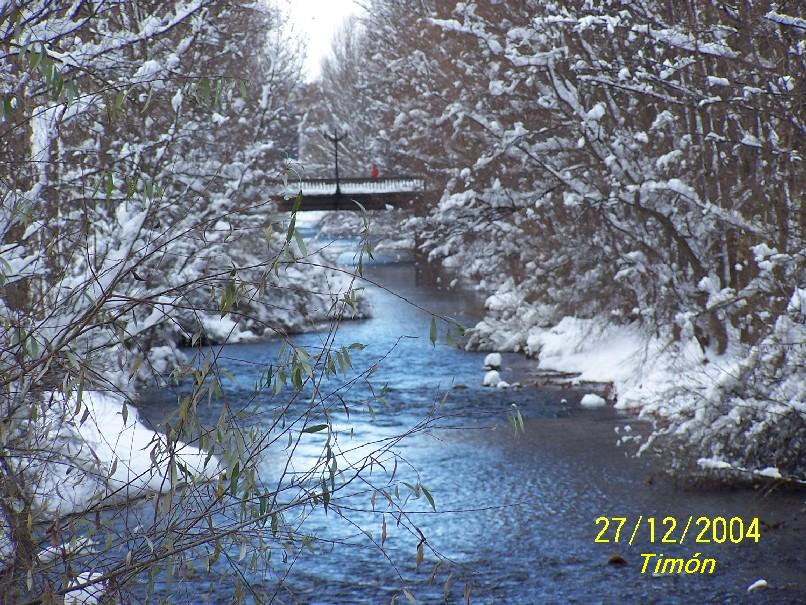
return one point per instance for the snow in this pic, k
(62, 551)
(786, 20)
(113, 455)
(493, 361)
(596, 113)
(148, 71)
(669, 159)
(497, 88)
(43, 132)
(352, 186)
(715, 81)
(591, 400)
(688, 42)
(491, 378)
(769, 471)
(89, 595)
(598, 351)
(713, 464)
(224, 329)
(176, 100)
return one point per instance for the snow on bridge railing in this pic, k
(327, 187)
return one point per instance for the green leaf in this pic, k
(300, 243)
(36, 59)
(429, 497)
(228, 297)
(325, 495)
(58, 84)
(341, 362)
(8, 110)
(120, 98)
(109, 185)
(72, 91)
(204, 90)
(314, 428)
(233, 482)
(131, 186)
(432, 334)
(291, 228)
(296, 377)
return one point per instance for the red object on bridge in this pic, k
(374, 171)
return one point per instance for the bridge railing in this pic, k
(351, 186)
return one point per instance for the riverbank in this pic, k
(709, 409)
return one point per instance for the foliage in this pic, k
(136, 141)
(639, 163)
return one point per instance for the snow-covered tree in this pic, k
(137, 141)
(637, 163)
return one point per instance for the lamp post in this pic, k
(336, 138)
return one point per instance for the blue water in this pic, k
(514, 520)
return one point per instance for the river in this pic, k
(514, 519)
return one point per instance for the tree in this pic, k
(137, 138)
(621, 162)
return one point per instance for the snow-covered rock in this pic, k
(770, 471)
(503, 385)
(759, 584)
(591, 400)
(492, 361)
(491, 379)
(89, 595)
(62, 551)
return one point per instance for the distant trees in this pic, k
(639, 162)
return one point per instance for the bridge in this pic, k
(342, 194)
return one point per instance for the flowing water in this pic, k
(514, 520)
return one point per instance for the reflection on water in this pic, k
(515, 516)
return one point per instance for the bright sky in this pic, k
(317, 21)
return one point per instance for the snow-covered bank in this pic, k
(738, 413)
(97, 452)
(389, 230)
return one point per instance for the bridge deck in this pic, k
(372, 194)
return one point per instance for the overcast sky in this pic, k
(317, 21)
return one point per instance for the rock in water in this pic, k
(757, 585)
(616, 559)
(89, 595)
(492, 361)
(491, 379)
(592, 401)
